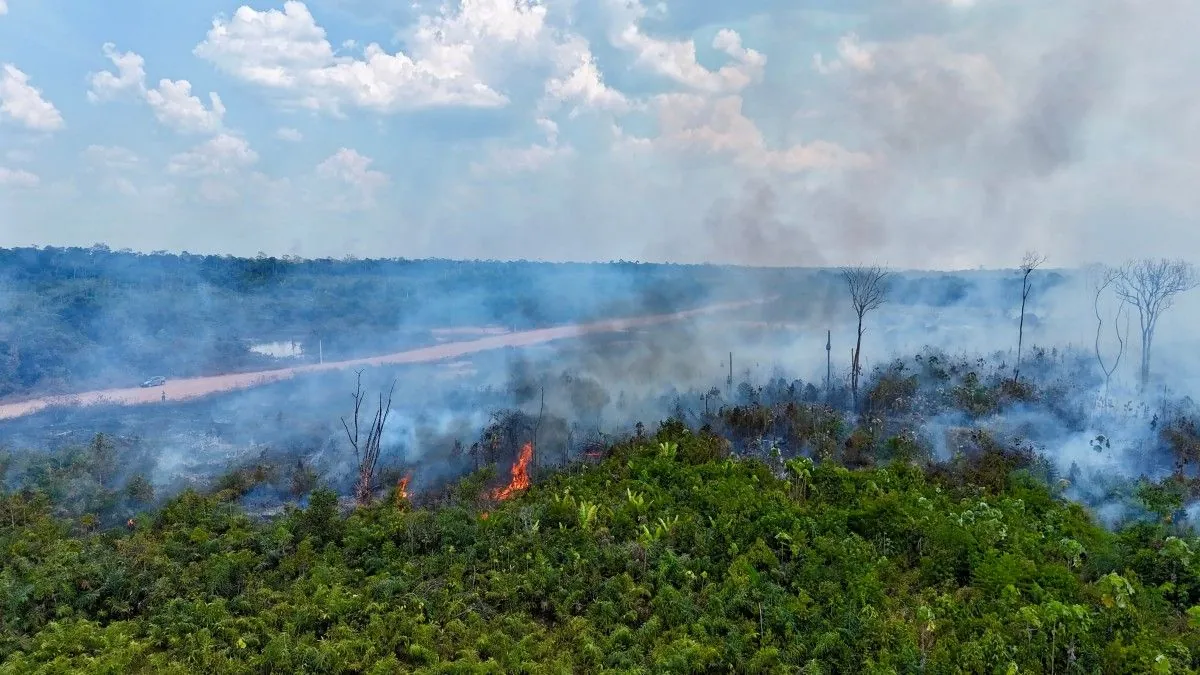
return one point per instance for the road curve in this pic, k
(196, 387)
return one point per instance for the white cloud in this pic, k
(578, 80)
(18, 178)
(222, 155)
(851, 53)
(288, 52)
(525, 159)
(677, 60)
(130, 77)
(693, 122)
(113, 164)
(172, 101)
(3, 7)
(924, 136)
(112, 157)
(175, 107)
(222, 171)
(348, 169)
(23, 103)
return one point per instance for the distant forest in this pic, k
(79, 318)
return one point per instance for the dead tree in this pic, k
(1029, 263)
(367, 451)
(537, 426)
(868, 288)
(1103, 279)
(1150, 286)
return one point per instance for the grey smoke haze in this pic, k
(600, 385)
(919, 134)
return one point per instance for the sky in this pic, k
(928, 134)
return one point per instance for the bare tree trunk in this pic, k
(828, 362)
(1144, 371)
(1029, 263)
(868, 288)
(854, 366)
(367, 452)
(1151, 286)
(536, 427)
(1020, 339)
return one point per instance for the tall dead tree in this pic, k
(367, 450)
(1102, 280)
(1029, 263)
(1150, 286)
(868, 288)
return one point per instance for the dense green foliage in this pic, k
(668, 556)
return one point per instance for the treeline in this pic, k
(668, 556)
(78, 318)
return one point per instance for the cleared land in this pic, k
(203, 386)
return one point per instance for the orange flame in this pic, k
(402, 487)
(520, 475)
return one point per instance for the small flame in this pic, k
(402, 487)
(520, 475)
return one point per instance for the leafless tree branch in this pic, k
(1102, 279)
(1150, 286)
(367, 451)
(868, 288)
(1029, 263)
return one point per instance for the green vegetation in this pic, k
(79, 318)
(669, 556)
(92, 317)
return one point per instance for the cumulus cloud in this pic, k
(18, 178)
(922, 133)
(525, 159)
(677, 59)
(113, 166)
(352, 172)
(172, 101)
(287, 51)
(111, 157)
(175, 107)
(23, 103)
(718, 125)
(222, 155)
(578, 82)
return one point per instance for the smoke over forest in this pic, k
(938, 362)
(911, 386)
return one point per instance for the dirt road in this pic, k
(195, 387)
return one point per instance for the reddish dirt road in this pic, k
(195, 387)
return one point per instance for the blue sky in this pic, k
(918, 133)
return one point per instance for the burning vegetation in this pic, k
(402, 488)
(520, 475)
(973, 567)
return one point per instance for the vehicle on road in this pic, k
(156, 381)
